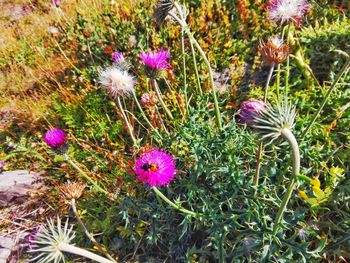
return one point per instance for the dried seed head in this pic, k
(274, 50)
(117, 82)
(71, 191)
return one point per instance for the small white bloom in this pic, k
(53, 30)
(276, 41)
(117, 82)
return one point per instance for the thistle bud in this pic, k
(250, 110)
(149, 99)
(55, 138)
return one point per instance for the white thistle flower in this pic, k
(117, 82)
(287, 10)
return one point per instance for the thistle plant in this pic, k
(53, 240)
(119, 83)
(272, 124)
(155, 63)
(57, 140)
(70, 193)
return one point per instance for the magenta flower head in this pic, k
(56, 2)
(155, 168)
(118, 57)
(56, 138)
(251, 109)
(286, 11)
(155, 62)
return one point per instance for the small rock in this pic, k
(15, 185)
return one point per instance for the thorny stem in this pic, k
(86, 231)
(82, 173)
(325, 99)
(288, 135)
(258, 163)
(131, 131)
(159, 95)
(184, 25)
(82, 252)
(172, 204)
(144, 115)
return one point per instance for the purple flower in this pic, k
(284, 11)
(56, 2)
(155, 168)
(156, 59)
(118, 57)
(251, 109)
(31, 237)
(2, 164)
(55, 138)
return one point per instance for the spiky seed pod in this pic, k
(162, 10)
(71, 191)
(271, 121)
(274, 50)
(48, 240)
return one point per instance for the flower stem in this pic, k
(156, 89)
(325, 99)
(172, 204)
(186, 28)
(131, 131)
(161, 120)
(82, 252)
(82, 173)
(87, 233)
(144, 115)
(184, 66)
(288, 135)
(260, 149)
(211, 78)
(287, 65)
(278, 82)
(196, 68)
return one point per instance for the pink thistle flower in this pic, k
(251, 109)
(284, 11)
(55, 138)
(149, 99)
(118, 57)
(155, 62)
(56, 2)
(155, 168)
